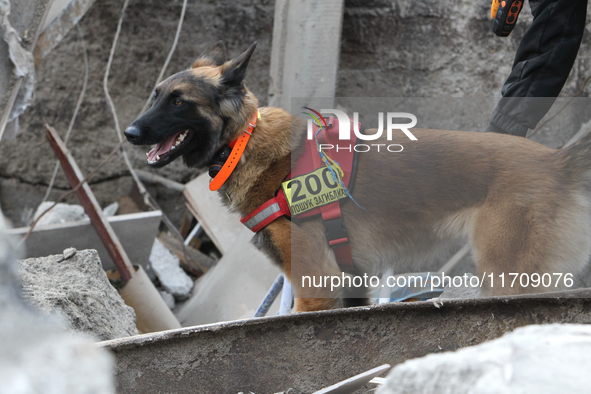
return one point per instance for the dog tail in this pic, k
(577, 157)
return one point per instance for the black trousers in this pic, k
(542, 64)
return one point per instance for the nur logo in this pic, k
(345, 124)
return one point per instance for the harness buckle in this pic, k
(336, 232)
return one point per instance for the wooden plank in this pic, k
(306, 50)
(217, 221)
(91, 206)
(136, 232)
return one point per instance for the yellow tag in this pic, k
(312, 190)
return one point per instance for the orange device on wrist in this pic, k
(505, 14)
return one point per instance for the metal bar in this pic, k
(91, 206)
(192, 234)
(455, 259)
(286, 297)
(270, 297)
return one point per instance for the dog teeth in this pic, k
(181, 137)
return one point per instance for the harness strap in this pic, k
(337, 237)
(336, 232)
(267, 213)
(332, 217)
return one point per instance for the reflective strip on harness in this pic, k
(266, 213)
(257, 219)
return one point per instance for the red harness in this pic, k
(336, 232)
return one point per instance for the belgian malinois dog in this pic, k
(523, 207)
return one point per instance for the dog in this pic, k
(523, 207)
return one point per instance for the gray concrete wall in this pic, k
(389, 48)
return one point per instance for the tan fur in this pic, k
(210, 72)
(523, 207)
(510, 197)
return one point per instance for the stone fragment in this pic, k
(76, 287)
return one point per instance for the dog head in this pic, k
(197, 111)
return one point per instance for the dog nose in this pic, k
(133, 134)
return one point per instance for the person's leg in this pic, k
(542, 64)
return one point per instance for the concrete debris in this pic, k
(111, 209)
(166, 267)
(464, 291)
(168, 299)
(36, 354)
(61, 213)
(234, 288)
(70, 252)
(75, 287)
(22, 59)
(532, 359)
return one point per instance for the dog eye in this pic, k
(177, 102)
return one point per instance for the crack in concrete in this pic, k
(43, 184)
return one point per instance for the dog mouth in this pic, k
(168, 150)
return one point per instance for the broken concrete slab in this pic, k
(136, 232)
(19, 25)
(61, 17)
(218, 222)
(540, 359)
(234, 288)
(75, 287)
(36, 354)
(167, 268)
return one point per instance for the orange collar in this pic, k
(238, 146)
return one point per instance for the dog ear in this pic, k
(214, 55)
(234, 71)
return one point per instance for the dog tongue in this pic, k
(161, 148)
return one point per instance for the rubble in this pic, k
(111, 209)
(61, 213)
(168, 299)
(75, 287)
(532, 359)
(36, 354)
(172, 277)
(234, 288)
